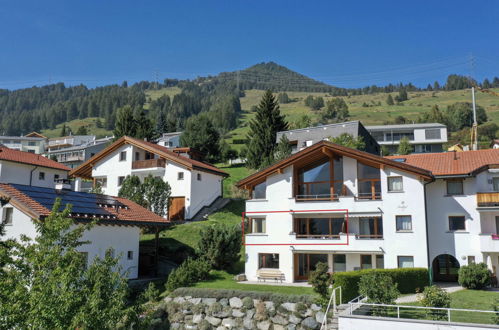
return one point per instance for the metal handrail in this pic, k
(359, 303)
(333, 300)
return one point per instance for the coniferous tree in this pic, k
(389, 100)
(283, 149)
(125, 123)
(82, 130)
(263, 129)
(144, 126)
(405, 147)
(200, 134)
(63, 130)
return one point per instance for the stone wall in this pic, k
(236, 313)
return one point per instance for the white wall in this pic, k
(279, 226)
(121, 238)
(18, 173)
(362, 323)
(203, 192)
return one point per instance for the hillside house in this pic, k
(32, 142)
(194, 184)
(354, 210)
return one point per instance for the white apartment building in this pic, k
(348, 208)
(29, 169)
(428, 137)
(170, 140)
(68, 141)
(33, 142)
(74, 156)
(194, 184)
(354, 210)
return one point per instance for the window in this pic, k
(31, 143)
(454, 187)
(120, 180)
(370, 228)
(495, 184)
(395, 183)
(56, 177)
(339, 263)
(101, 182)
(405, 261)
(380, 261)
(366, 261)
(137, 155)
(122, 156)
(268, 260)
(257, 225)
(180, 176)
(457, 223)
(319, 227)
(31, 151)
(320, 180)
(260, 191)
(471, 260)
(432, 134)
(369, 186)
(41, 176)
(403, 222)
(129, 255)
(7, 215)
(199, 176)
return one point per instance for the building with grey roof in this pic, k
(33, 144)
(170, 140)
(74, 156)
(427, 137)
(304, 137)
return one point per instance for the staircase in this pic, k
(333, 322)
(216, 205)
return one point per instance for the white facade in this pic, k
(31, 175)
(124, 240)
(170, 140)
(199, 188)
(280, 237)
(34, 145)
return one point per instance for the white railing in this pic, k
(423, 313)
(332, 300)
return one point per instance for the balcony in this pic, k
(148, 164)
(321, 191)
(490, 199)
(369, 189)
(489, 242)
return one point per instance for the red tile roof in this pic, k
(131, 214)
(17, 156)
(452, 163)
(85, 169)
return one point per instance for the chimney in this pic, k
(62, 184)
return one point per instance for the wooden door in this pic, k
(177, 209)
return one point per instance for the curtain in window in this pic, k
(406, 262)
(395, 184)
(404, 223)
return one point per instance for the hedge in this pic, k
(409, 280)
(222, 293)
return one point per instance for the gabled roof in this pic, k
(23, 157)
(327, 147)
(453, 163)
(36, 134)
(37, 202)
(85, 169)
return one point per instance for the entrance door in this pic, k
(176, 210)
(305, 263)
(445, 268)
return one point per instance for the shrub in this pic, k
(433, 296)
(409, 280)
(495, 317)
(189, 272)
(257, 295)
(220, 245)
(474, 276)
(320, 280)
(378, 288)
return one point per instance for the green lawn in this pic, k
(224, 280)
(90, 123)
(236, 172)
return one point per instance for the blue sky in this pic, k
(344, 43)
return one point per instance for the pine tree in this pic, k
(144, 126)
(82, 130)
(63, 131)
(283, 149)
(389, 100)
(125, 123)
(263, 129)
(405, 147)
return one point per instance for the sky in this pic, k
(343, 43)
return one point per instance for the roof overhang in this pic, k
(328, 148)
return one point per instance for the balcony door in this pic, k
(306, 263)
(370, 228)
(320, 180)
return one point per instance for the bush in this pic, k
(189, 272)
(220, 245)
(223, 293)
(474, 276)
(408, 280)
(378, 288)
(320, 280)
(433, 296)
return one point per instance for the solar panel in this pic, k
(82, 203)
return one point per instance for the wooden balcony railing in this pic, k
(148, 163)
(379, 236)
(487, 199)
(318, 236)
(369, 189)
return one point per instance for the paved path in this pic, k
(449, 287)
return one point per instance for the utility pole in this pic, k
(156, 78)
(238, 79)
(474, 128)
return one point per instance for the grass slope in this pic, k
(154, 94)
(92, 129)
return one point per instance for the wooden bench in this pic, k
(269, 274)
